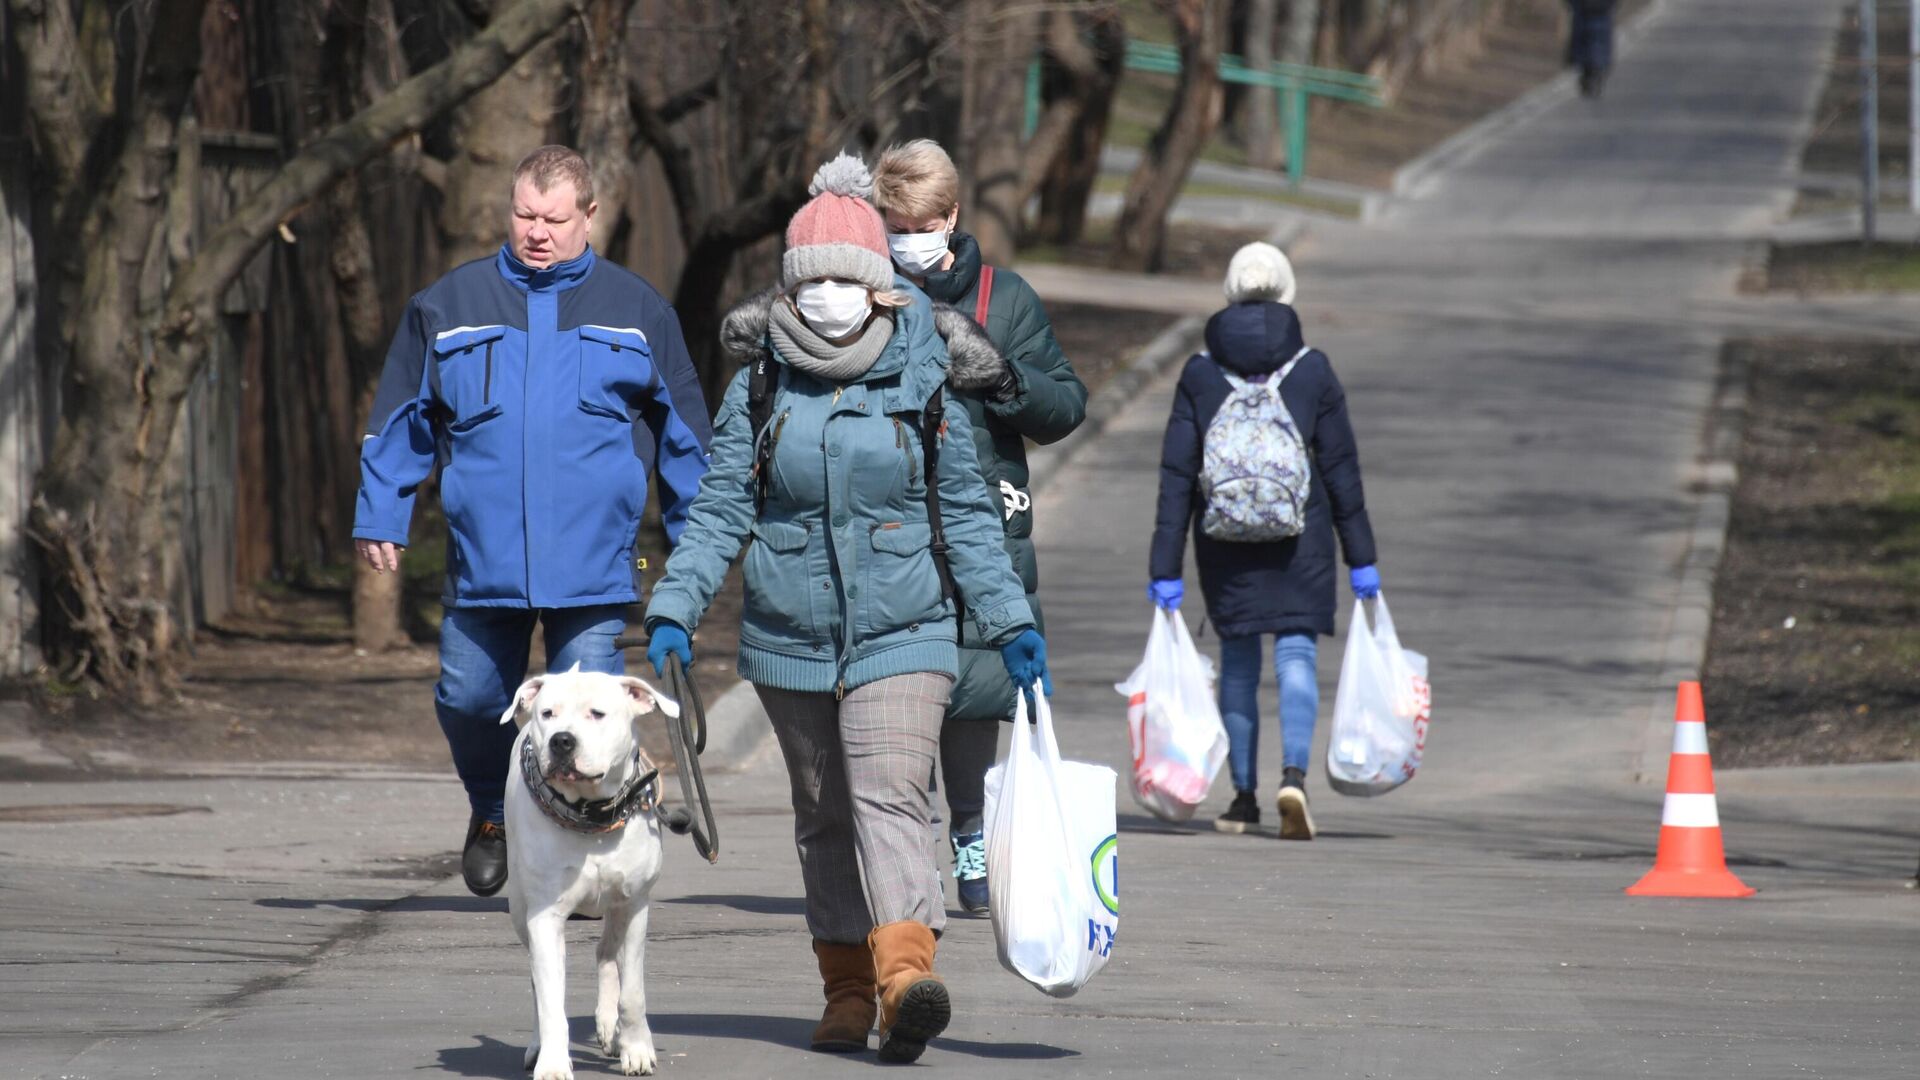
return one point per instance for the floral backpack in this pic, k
(1254, 473)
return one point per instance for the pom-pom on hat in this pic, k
(1259, 272)
(838, 233)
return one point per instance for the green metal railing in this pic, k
(1293, 84)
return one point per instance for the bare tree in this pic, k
(358, 295)
(1260, 113)
(1085, 50)
(999, 37)
(1140, 235)
(132, 311)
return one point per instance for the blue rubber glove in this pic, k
(1365, 581)
(666, 639)
(1026, 660)
(1166, 593)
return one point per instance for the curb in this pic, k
(738, 731)
(1716, 474)
(1416, 177)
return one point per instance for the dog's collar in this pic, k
(639, 796)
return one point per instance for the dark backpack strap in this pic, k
(933, 423)
(762, 381)
(983, 296)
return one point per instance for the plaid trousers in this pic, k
(862, 815)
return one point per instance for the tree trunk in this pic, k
(491, 133)
(1140, 235)
(1303, 26)
(1261, 112)
(998, 49)
(1090, 48)
(99, 504)
(359, 302)
(606, 124)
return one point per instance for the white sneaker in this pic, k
(1296, 821)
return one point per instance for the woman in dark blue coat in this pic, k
(1286, 587)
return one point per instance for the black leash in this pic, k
(689, 734)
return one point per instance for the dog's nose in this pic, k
(563, 744)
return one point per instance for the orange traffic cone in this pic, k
(1691, 860)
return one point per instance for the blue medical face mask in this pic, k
(833, 308)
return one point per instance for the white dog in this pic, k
(584, 837)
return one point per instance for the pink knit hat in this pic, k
(838, 234)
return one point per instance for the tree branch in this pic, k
(403, 110)
(677, 106)
(676, 158)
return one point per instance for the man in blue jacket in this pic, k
(547, 384)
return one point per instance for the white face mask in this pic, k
(833, 308)
(918, 252)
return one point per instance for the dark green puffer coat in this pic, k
(1049, 403)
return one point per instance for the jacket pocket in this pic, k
(901, 586)
(462, 426)
(781, 587)
(464, 365)
(615, 364)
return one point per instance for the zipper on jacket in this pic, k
(486, 385)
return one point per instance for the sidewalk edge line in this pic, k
(1416, 176)
(1716, 474)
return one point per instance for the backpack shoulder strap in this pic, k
(983, 295)
(1288, 367)
(933, 423)
(762, 382)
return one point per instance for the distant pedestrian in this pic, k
(827, 455)
(1230, 471)
(1034, 394)
(547, 385)
(1590, 42)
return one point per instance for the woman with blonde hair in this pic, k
(1027, 391)
(862, 515)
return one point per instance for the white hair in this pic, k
(1259, 272)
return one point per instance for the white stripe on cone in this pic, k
(1689, 738)
(1690, 811)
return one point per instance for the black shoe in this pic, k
(483, 862)
(1244, 814)
(1592, 81)
(1296, 821)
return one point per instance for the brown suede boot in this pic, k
(913, 1001)
(846, 971)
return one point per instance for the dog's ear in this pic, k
(646, 698)
(518, 708)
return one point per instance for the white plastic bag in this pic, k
(1381, 710)
(1052, 859)
(1173, 719)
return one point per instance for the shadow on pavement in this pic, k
(491, 1058)
(459, 905)
(1152, 826)
(795, 1031)
(752, 905)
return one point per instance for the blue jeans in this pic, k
(483, 659)
(1294, 658)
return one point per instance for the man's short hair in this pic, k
(551, 165)
(915, 180)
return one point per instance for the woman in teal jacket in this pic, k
(848, 634)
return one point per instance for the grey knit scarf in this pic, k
(800, 346)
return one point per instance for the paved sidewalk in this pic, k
(1529, 446)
